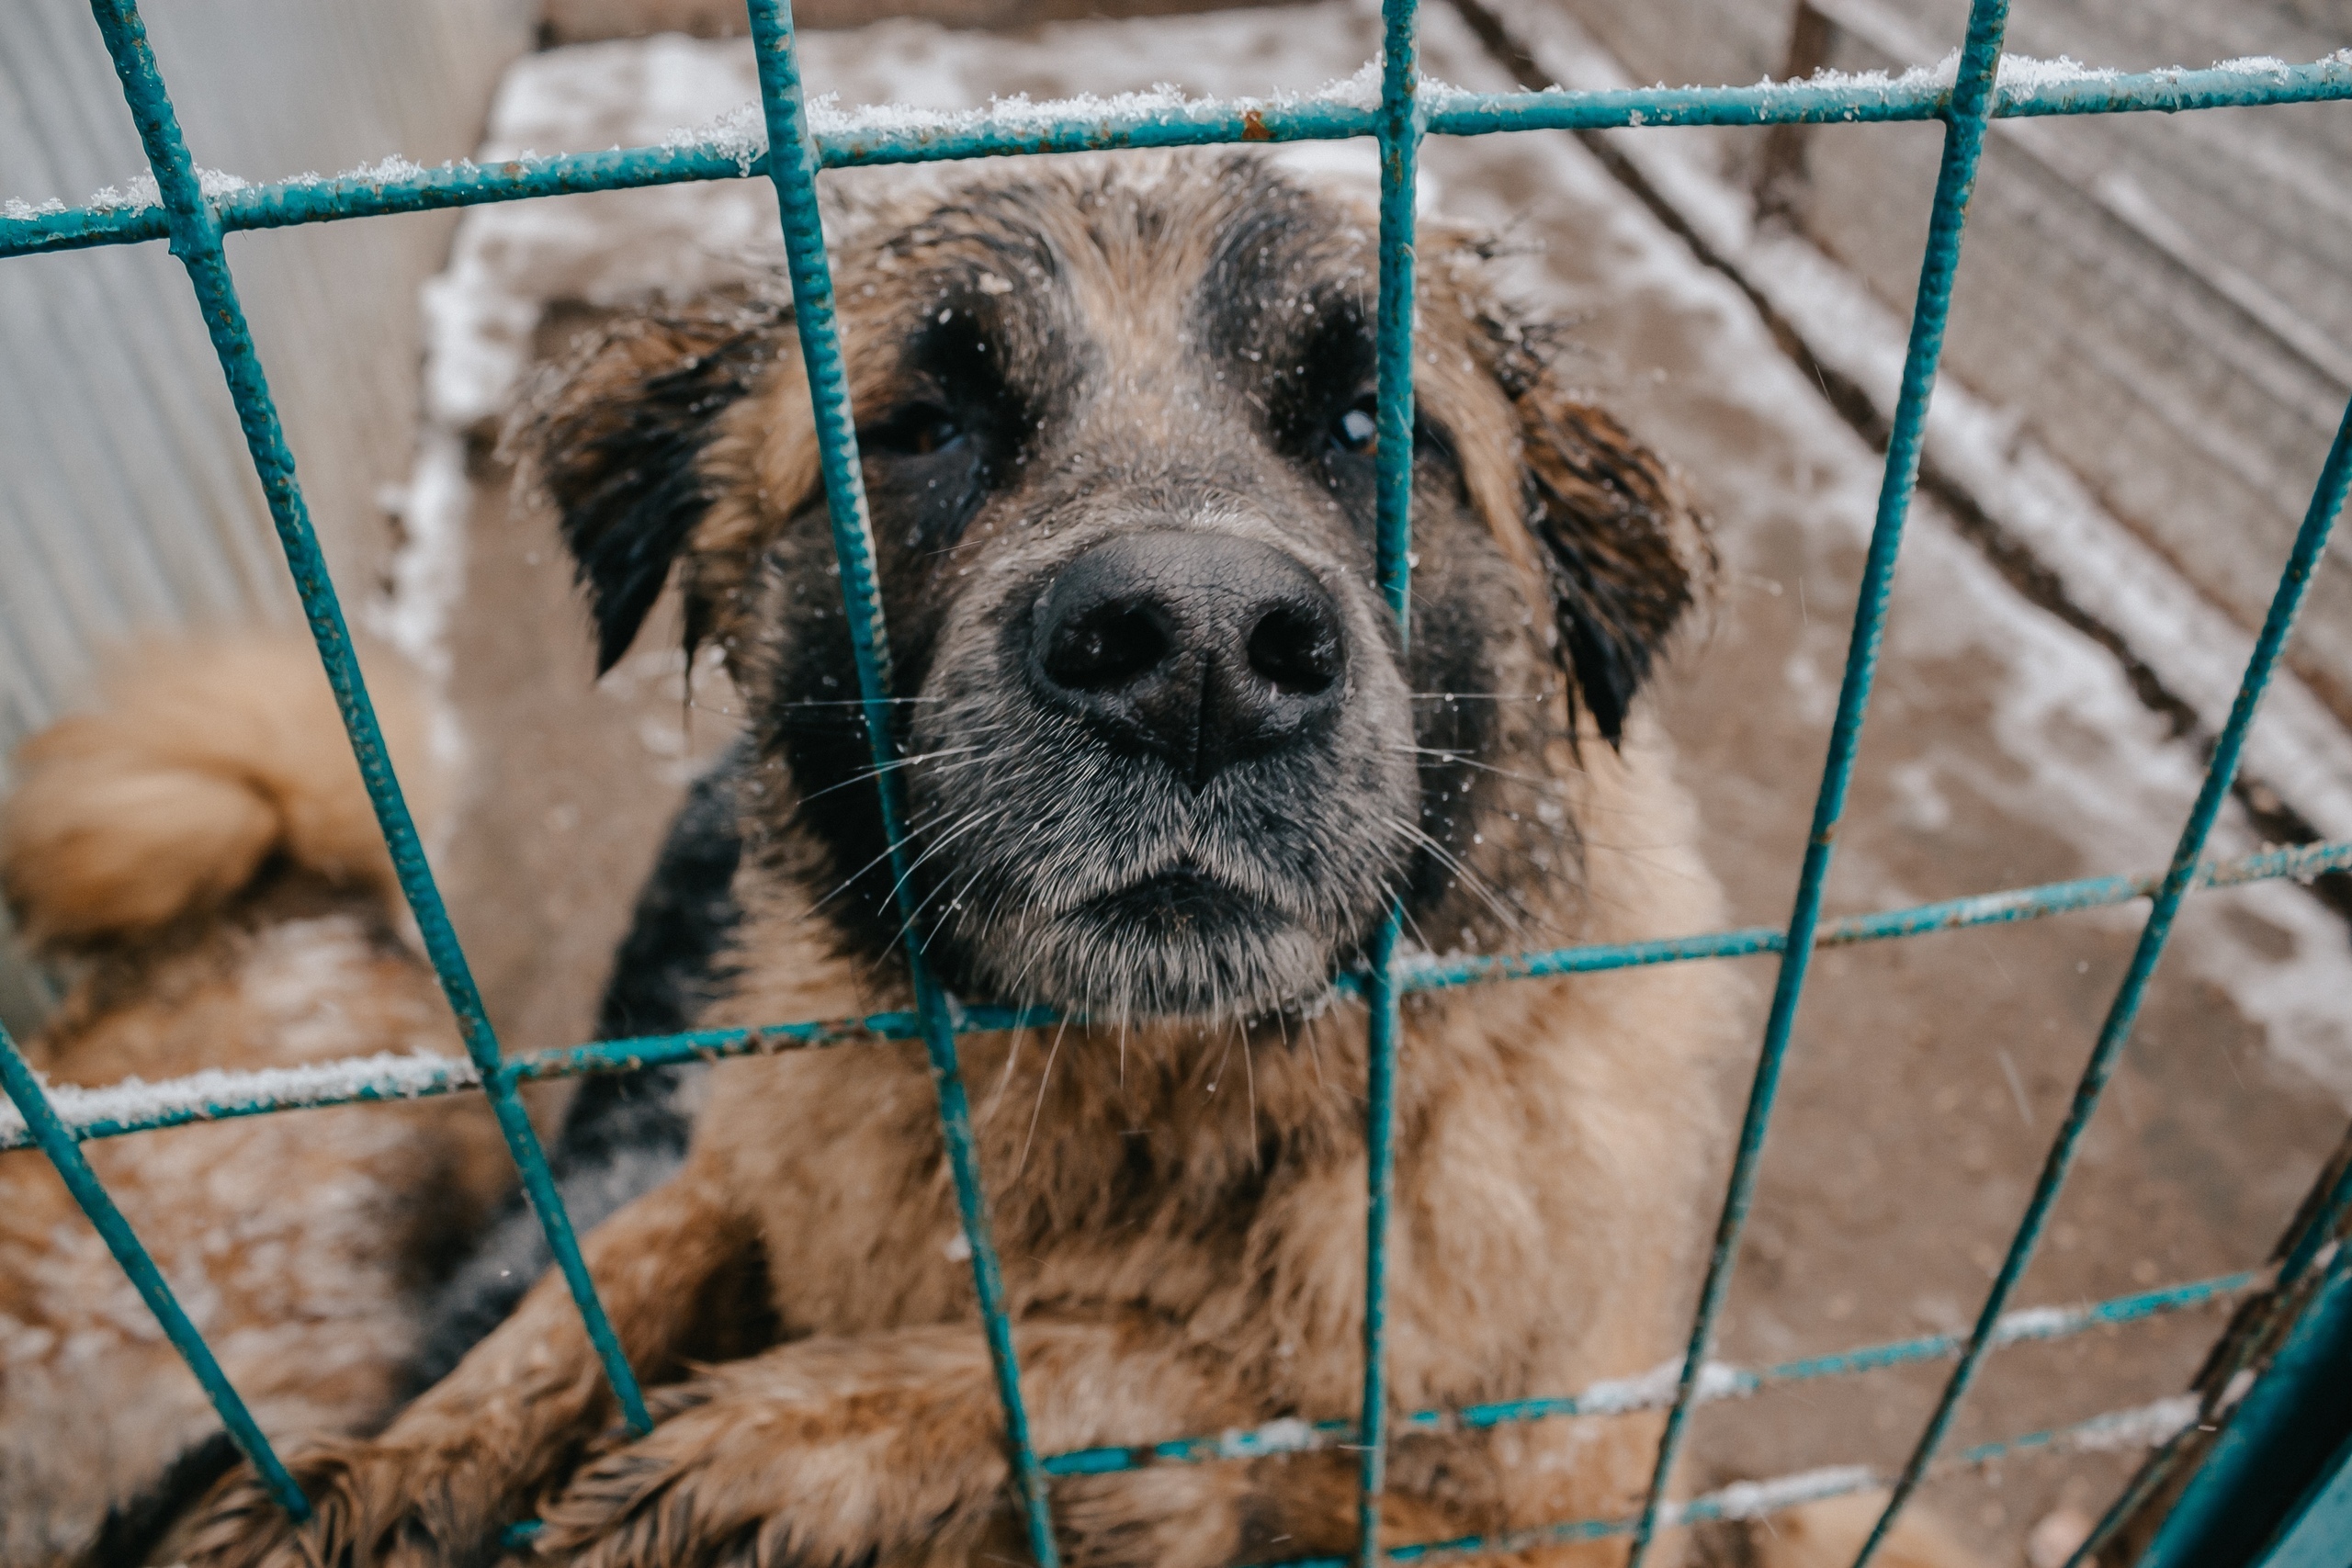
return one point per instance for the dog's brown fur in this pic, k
(201, 853)
(1178, 1201)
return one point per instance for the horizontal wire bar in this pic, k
(2033, 1324)
(1656, 1390)
(217, 1096)
(2145, 1425)
(2301, 861)
(27, 230)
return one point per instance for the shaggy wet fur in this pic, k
(200, 855)
(1063, 369)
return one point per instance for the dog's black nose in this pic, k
(1202, 647)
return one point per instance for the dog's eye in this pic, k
(916, 431)
(1357, 429)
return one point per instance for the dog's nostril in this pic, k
(1105, 650)
(1295, 649)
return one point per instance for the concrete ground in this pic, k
(1928, 1075)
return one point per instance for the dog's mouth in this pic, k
(1180, 904)
(1183, 940)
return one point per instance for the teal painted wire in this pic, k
(1199, 123)
(1721, 1505)
(1419, 975)
(1963, 142)
(1734, 1382)
(793, 165)
(197, 242)
(1398, 125)
(1919, 920)
(2311, 540)
(16, 1077)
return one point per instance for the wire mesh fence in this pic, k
(790, 142)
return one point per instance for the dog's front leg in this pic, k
(475, 1452)
(892, 1448)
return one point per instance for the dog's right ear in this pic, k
(617, 442)
(1626, 553)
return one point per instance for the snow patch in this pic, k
(214, 1092)
(141, 192)
(1287, 1436)
(1160, 101)
(1943, 73)
(2024, 72)
(2027, 73)
(740, 133)
(383, 171)
(1655, 1389)
(2145, 1427)
(1754, 1499)
(2036, 1323)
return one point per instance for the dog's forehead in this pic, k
(1162, 260)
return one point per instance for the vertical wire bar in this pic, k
(1400, 126)
(1965, 119)
(57, 1141)
(195, 239)
(793, 165)
(2327, 500)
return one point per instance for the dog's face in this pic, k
(1166, 750)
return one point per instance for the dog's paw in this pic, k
(373, 1505)
(741, 1476)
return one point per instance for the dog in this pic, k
(201, 855)
(1168, 762)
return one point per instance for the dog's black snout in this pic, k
(1202, 647)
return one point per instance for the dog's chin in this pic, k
(1175, 945)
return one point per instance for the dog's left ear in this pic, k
(616, 441)
(1625, 553)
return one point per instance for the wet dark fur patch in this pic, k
(620, 464)
(135, 1528)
